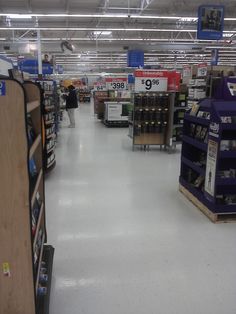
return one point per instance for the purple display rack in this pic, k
(221, 90)
(225, 159)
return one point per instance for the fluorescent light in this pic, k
(19, 16)
(102, 33)
(103, 30)
(109, 15)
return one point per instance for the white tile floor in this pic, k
(126, 241)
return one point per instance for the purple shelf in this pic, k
(228, 154)
(195, 143)
(200, 196)
(225, 181)
(197, 120)
(193, 166)
(228, 126)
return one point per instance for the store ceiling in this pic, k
(102, 31)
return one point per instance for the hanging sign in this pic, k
(135, 58)
(31, 66)
(202, 69)
(2, 88)
(187, 71)
(214, 56)
(151, 81)
(210, 22)
(116, 83)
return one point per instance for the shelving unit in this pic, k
(22, 202)
(176, 120)
(151, 118)
(84, 96)
(197, 90)
(208, 171)
(50, 108)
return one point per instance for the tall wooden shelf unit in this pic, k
(20, 267)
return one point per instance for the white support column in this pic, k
(40, 65)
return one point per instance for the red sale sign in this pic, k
(155, 81)
(116, 83)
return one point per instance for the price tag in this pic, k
(202, 69)
(151, 81)
(99, 88)
(116, 83)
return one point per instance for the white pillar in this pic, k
(40, 65)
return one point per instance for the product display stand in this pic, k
(150, 119)
(208, 161)
(176, 120)
(197, 90)
(26, 263)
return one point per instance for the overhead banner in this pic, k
(135, 58)
(210, 22)
(31, 66)
(116, 83)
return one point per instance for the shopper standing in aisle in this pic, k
(71, 105)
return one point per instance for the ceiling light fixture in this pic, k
(20, 16)
(129, 16)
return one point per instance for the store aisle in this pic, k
(126, 241)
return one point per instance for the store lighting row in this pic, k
(105, 30)
(107, 15)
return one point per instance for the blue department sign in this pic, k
(210, 22)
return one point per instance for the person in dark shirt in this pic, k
(71, 105)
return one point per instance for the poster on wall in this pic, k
(211, 167)
(210, 22)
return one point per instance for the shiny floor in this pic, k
(127, 242)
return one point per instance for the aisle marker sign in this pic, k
(151, 81)
(116, 83)
(202, 69)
